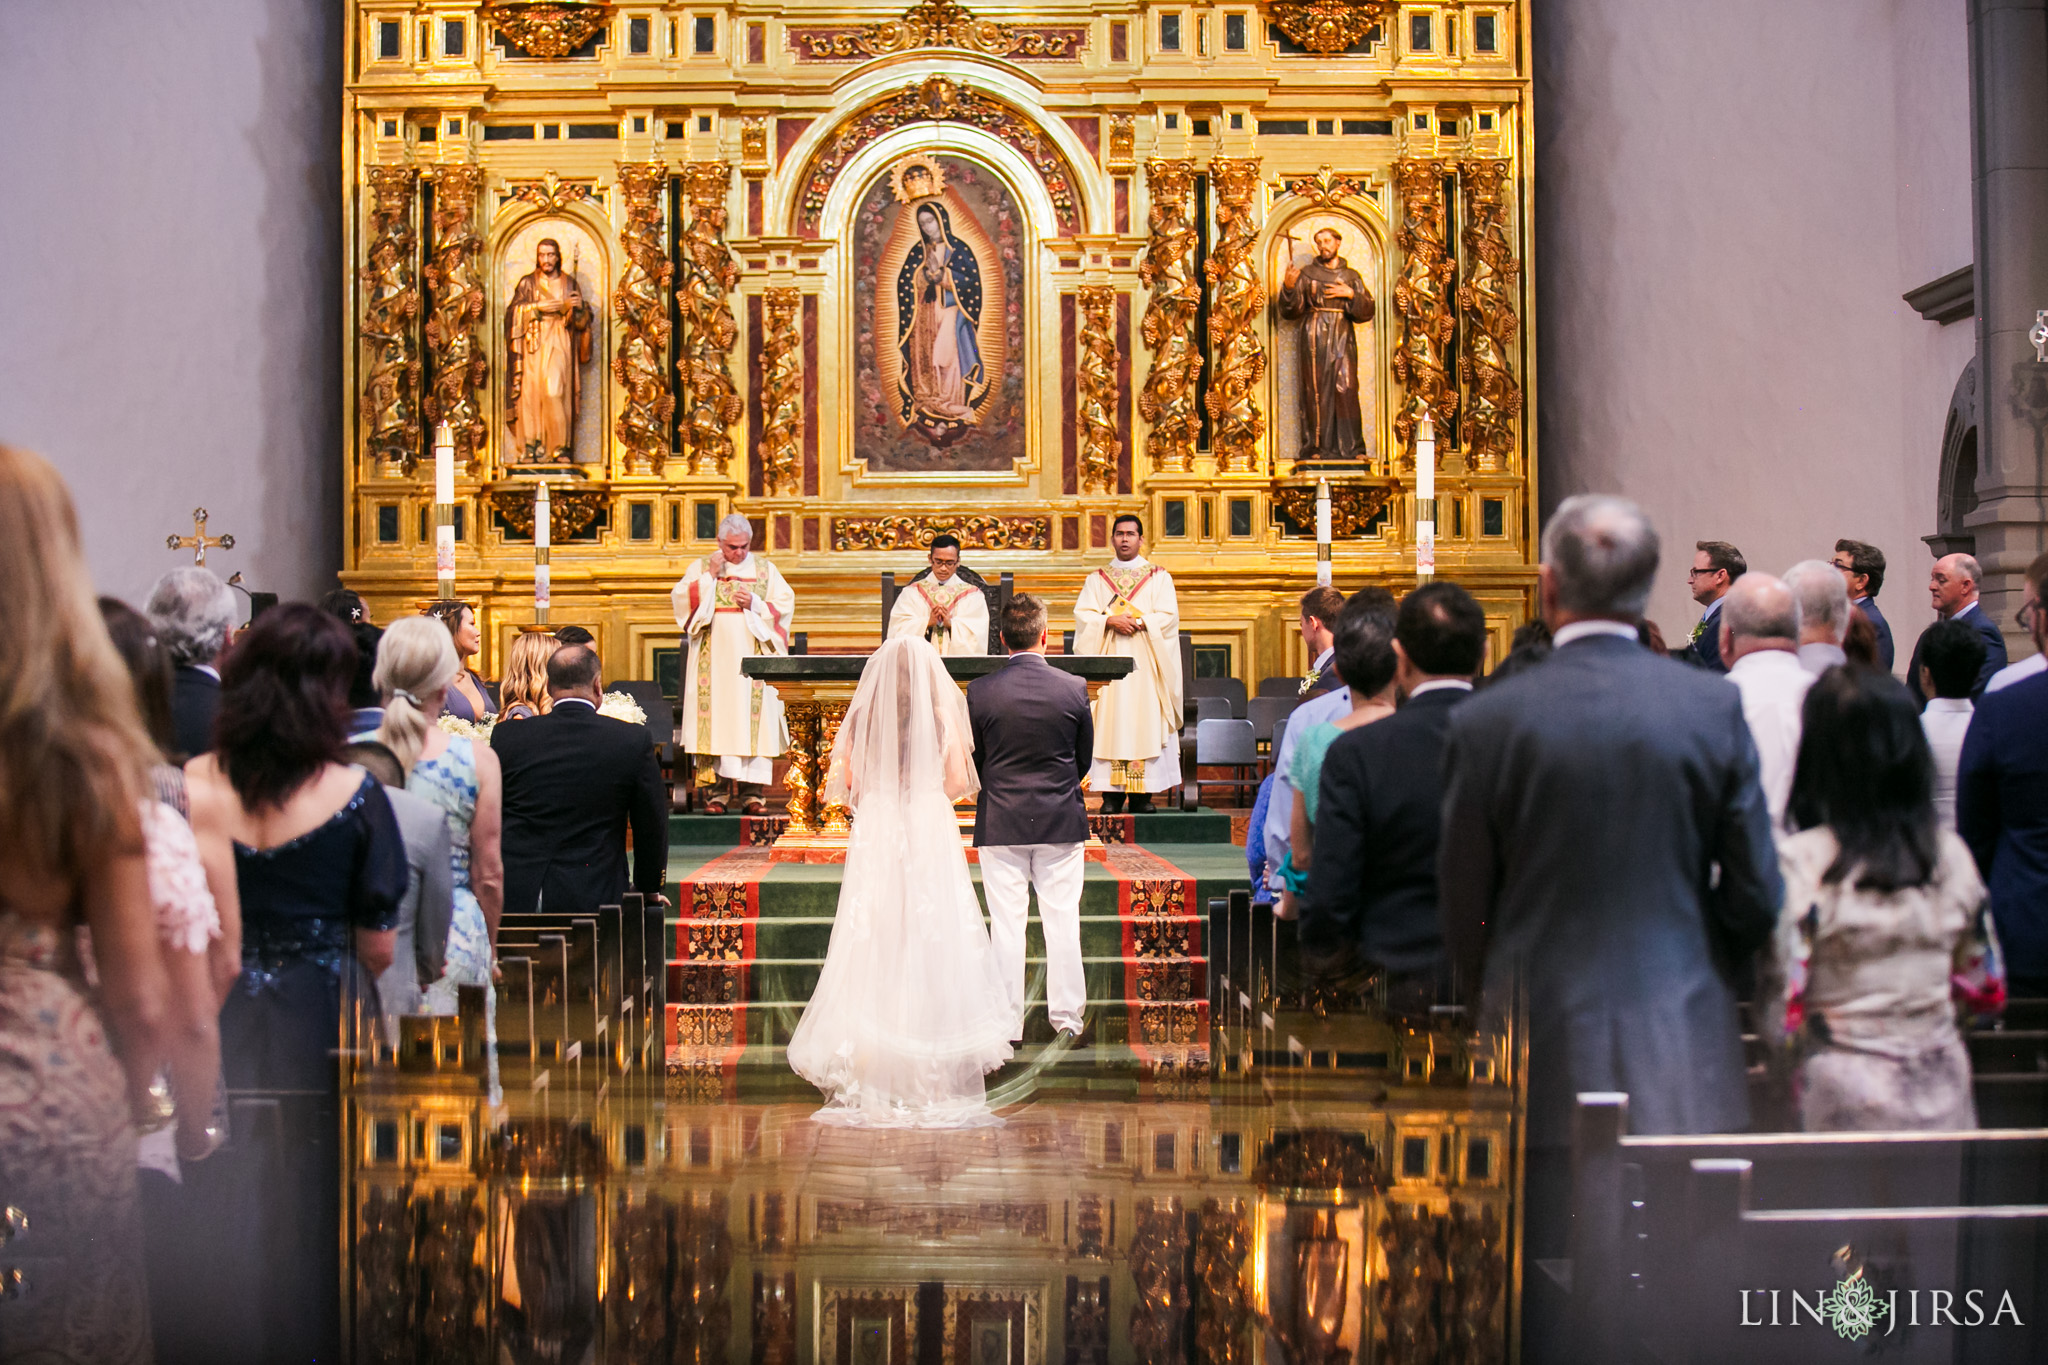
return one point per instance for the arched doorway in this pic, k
(1955, 496)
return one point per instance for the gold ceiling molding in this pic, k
(549, 28)
(553, 192)
(1325, 188)
(940, 24)
(915, 533)
(1327, 27)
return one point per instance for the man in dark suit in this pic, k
(1033, 739)
(1587, 805)
(574, 781)
(1952, 585)
(2002, 805)
(194, 614)
(1715, 566)
(1862, 567)
(1372, 883)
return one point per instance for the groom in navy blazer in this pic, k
(1033, 740)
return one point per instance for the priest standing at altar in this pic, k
(732, 605)
(945, 604)
(1128, 610)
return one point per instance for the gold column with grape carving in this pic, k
(1422, 298)
(1235, 300)
(833, 817)
(1486, 298)
(712, 402)
(391, 308)
(782, 392)
(461, 365)
(803, 776)
(1167, 401)
(641, 304)
(1095, 377)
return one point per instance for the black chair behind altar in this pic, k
(997, 595)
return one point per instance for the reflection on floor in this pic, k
(1217, 1174)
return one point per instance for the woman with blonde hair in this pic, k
(524, 692)
(73, 776)
(416, 664)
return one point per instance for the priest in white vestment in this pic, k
(1128, 610)
(732, 605)
(942, 606)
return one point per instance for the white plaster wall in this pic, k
(171, 332)
(1730, 200)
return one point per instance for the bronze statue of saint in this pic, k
(1330, 299)
(547, 343)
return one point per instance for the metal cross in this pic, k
(2039, 335)
(199, 542)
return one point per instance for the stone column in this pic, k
(2009, 155)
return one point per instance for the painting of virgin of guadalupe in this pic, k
(939, 290)
(939, 321)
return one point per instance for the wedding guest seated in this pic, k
(573, 782)
(419, 952)
(468, 698)
(1951, 658)
(194, 613)
(1372, 886)
(321, 868)
(1884, 924)
(575, 635)
(1362, 655)
(523, 691)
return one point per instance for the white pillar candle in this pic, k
(1425, 498)
(1323, 573)
(543, 529)
(444, 510)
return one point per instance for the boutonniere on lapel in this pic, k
(1310, 681)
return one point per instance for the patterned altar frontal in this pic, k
(869, 276)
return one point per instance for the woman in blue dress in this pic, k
(416, 667)
(321, 869)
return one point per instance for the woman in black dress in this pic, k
(321, 867)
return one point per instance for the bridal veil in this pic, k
(908, 1014)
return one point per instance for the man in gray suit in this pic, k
(1033, 741)
(1587, 805)
(420, 953)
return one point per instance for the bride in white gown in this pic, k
(909, 1012)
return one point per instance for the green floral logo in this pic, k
(1852, 1308)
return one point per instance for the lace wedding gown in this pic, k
(908, 1014)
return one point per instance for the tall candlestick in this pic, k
(543, 527)
(1322, 533)
(444, 510)
(1425, 499)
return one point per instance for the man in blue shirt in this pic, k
(1305, 717)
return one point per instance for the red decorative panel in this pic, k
(1070, 416)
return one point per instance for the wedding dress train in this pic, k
(908, 1014)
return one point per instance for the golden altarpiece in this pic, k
(865, 275)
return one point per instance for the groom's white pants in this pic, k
(1008, 872)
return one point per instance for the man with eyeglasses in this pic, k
(1952, 586)
(2037, 662)
(1715, 566)
(2002, 806)
(1862, 567)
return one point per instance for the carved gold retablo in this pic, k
(554, 28)
(552, 192)
(1327, 26)
(940, 24)
(915, 533)
(1352, 506)
(572, 510)
(1325, 188)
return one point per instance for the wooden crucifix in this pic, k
(199, 542)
